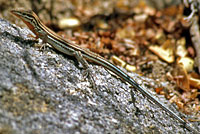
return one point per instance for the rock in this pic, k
(44, 91)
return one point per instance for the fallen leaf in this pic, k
(186, 62)
(182, 78)
(165, 54)
(194, 82)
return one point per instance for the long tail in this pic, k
(100, 60)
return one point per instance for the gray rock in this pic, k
(45, 92)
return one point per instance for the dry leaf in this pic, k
(130, 68)
(118, 61)
(68, 22)
(182, 78)
(180, 49)
(194, 82)
(165, 54)
(186, 62)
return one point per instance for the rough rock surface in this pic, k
(45, 92)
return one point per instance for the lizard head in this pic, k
(28, 17)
